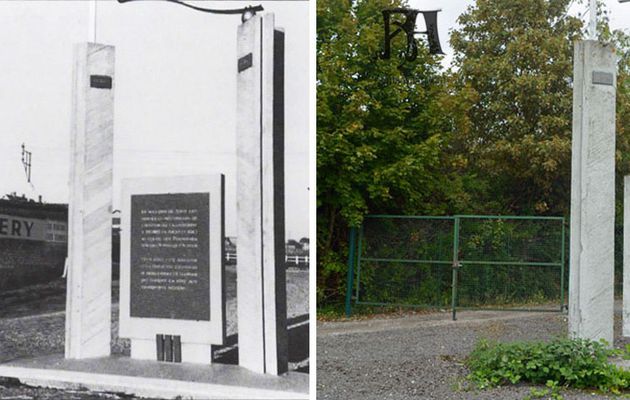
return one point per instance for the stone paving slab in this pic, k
(153, 379)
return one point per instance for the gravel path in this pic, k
(421, 356)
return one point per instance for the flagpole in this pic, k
(593, 19)
(92, 21)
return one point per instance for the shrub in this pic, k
(573, 363)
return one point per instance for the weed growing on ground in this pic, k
(552, 392)
(575, 363)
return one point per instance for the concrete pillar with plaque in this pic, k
(261, 285)
(88, 300)
(591, 280)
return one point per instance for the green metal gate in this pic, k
(459, 262)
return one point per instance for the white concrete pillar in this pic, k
(261, 282)
(88, 301)
(626, 256)
(591, 279)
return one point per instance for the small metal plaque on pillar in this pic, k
(172, 292)
(602, 78)
(101, 81)
(245, 62)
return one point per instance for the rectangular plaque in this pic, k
(245, 62)
(602, 78)
(170, 260)
(101, 81)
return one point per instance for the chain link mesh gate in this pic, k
(459, 262)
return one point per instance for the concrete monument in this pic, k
(172, 291)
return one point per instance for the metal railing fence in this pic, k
(458, 262)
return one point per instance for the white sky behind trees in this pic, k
(619, 14)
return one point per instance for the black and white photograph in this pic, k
(155, 199)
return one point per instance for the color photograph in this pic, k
(473, 237)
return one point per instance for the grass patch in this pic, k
(570, 363)
(337, 311)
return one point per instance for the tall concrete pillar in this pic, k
(626, 256)
(261, 281)
(88, 300)
(591, 279)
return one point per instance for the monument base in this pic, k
(155, 379)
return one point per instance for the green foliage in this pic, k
(575, 363)
(336, 311)
(621, 41)
(492, 135)
(514, 58)
(403, 280)
(552, 391)
(380, 136)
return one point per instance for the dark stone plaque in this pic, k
(245, 62)
(170, 260)
(101, 81)
(603, 78)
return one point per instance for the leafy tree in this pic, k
(514, 59)
(621, 41)
(492, 135)
(380, 131)
(512, 104)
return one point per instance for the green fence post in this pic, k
(562, 268)
(455, 267)
(351, 245)
(359, 242)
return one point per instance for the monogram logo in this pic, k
(407, 25)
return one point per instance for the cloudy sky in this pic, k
(175, 100)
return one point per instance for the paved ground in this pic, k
(421, 356)
(32, 324)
